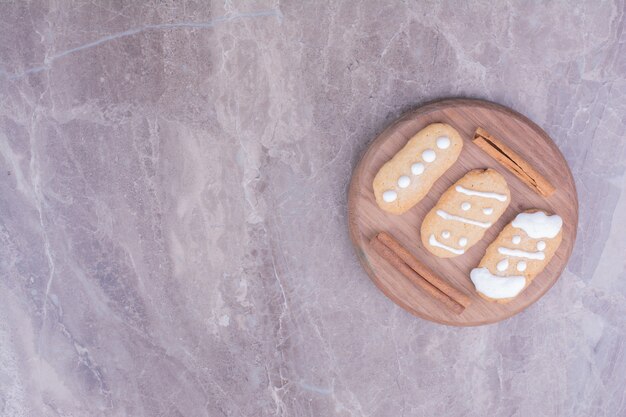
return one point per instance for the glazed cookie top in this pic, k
(464, 212)
(405, 179)
(519, 253)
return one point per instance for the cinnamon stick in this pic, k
(510, 159)
(413, 277)
(423, 270)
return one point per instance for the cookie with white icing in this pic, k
(520, 252)
(465, 212)
(405, 179)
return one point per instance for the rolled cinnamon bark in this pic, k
(423, 270)
(511, 160)
(391, 257)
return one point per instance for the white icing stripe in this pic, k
(449, 216)
(522, 254)
(538, 225)
(432, 240)
(497, 287)
(485, 194)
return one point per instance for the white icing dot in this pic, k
(443, 142)
(466, 206)
(390, 196)
(516, 239)
(521, 266)
(417, 168)
(463, 241)
(445, 234)
(404, 181)
(503, 265)
(429, 155)
(488, 211)
(541, 245)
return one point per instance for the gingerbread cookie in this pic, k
(520, 252)
(465, 212)
(405, 179)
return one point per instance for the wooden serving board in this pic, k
(366, 218)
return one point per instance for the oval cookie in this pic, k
(465, 212)
(405, 179)
(520, 252)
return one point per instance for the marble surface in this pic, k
(173, 180)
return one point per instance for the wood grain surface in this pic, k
(365, 218)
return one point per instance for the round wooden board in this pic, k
(366, 218)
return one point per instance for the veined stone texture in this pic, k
(173, 185)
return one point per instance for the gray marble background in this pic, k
(173, 180)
